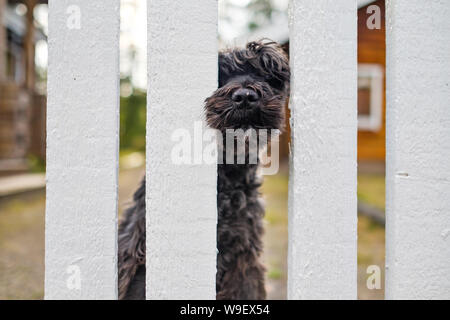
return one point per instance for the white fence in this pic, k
(82, 161)
(322, 211)
(82, 150)
(418, 150)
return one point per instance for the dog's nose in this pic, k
(244, 97)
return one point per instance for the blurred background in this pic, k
(23, 69)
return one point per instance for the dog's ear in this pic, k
(227, 65)
(270, 59)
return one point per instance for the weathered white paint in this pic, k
(322, 186)
(181, 199)
(82, 150)
(418, 150)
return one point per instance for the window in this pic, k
(370, 96)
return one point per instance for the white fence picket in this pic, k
(181, 199)
(82, 150)
(418, 150)
(322, 186)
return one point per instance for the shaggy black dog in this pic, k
(253, 85)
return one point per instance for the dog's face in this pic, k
(253, 85)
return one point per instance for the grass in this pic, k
(371, 188)
(275, 195)
(22, 236)
(274, 274)
(22, 248)
(275, 191)
(371, 236)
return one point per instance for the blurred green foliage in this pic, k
(35, 163)
(132, 120)
(261, 12)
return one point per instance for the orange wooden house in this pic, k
(371, 86)
(371, 79)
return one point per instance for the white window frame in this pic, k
(374, 72)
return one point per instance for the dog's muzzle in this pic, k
(245, 98)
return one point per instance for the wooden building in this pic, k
(22, 108)
(371, 85)
(371, 81)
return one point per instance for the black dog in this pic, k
(253, 85)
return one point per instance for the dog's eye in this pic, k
(274, 82)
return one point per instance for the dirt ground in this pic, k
(22, 238)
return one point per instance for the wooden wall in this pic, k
(15, 115)
(372, 49)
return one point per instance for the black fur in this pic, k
(262, 67)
